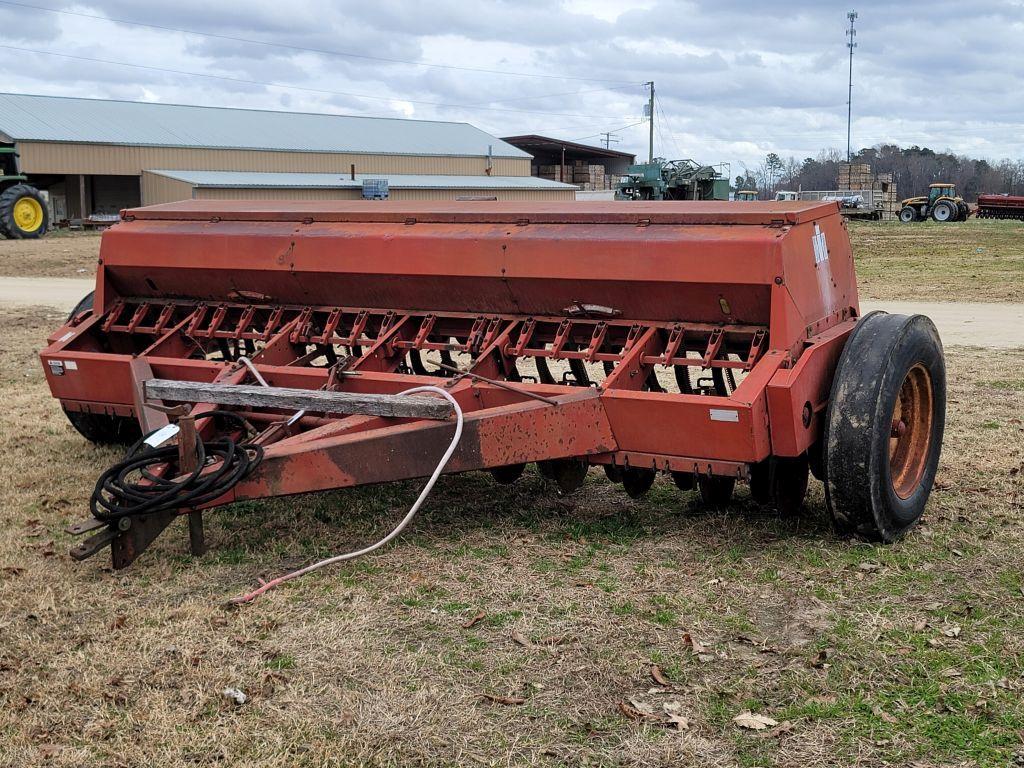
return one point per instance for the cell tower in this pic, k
(851, 44)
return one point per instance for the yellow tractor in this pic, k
(942, 204)
(746, 194)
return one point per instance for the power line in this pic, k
(321, 51)
(563, 93)
(614, 130)
(661, 109)
(298, 87)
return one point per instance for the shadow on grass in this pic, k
(462, 506)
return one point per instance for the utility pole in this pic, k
(650, 115)
(852, 34)
(609, 139)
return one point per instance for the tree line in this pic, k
(913, 169)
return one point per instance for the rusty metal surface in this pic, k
(694, 338)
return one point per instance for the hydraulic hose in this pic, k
(268, 585)
(132, 486)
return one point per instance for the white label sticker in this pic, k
(724, 414)
(71, 365)
(162, 435)
(819, 244)
(66, 336)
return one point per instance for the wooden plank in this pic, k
(149, 418)
(318, 401)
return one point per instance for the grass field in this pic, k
(977, 260)
(512, 626)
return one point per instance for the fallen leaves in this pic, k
(658, 676)
(480, 616)
(674, 716)
(505, 701)
(545, 642)
(753, 722)
(884, 716)
(951, 630)
(696, 648)
(819, 660)
(520, 639)
(669, 714)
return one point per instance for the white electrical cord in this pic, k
(259, 377)
(268, 585)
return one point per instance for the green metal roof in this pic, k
(253, 179)
(25, 117)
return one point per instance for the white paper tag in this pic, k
(162, 435)
(66, 336)
(819, 245)
(724, 414)
(71, 365)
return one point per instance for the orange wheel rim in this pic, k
(911, 431)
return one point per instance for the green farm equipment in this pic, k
(673, 180)
(23, 209)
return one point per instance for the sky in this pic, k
(734, 79)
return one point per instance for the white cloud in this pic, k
(735, 78)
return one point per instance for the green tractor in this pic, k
(23, 210)
(942, 204)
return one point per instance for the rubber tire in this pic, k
(952, 216)
(8, 198)
(716, 491)
(96, 427)
(103, 429)
(816, 460)
(85, 304)
(871, 370)
(912, 215)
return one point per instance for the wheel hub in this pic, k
(28, 214)
(911, 431)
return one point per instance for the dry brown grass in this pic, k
(371, 663)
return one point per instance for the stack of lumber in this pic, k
(556, 173)
(589, 177)
(880, 188)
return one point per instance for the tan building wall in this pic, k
(501, 194)
(211, 193)
(355, 194)
(67, 158)
(160, 189)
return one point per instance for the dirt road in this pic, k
(996, 326)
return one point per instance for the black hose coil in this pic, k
(130, 486)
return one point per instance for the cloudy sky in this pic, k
(735, 79)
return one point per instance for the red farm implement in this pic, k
(713, 342)
(1001, 207)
